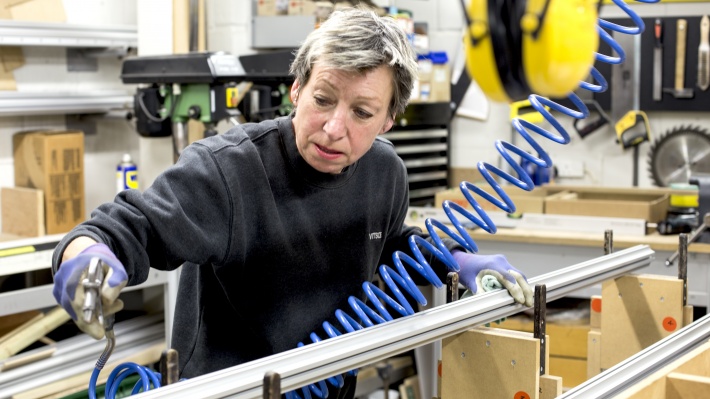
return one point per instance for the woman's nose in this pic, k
(335, 126)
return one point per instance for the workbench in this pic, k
(536, 252)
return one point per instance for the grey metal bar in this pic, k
(634, 369)
(311, 363)
(26, 33)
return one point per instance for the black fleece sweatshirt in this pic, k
(270, 246)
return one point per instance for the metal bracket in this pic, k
(608, 242)
(169, 373)
(683, 264)
(272, 385)
(540, 310)
(452, 287)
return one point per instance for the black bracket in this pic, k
(608, 242)
(272, 385)
(683, 264)
(452, 287)
(540, 310)
(169, 372)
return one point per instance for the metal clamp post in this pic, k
(540, 309)
(169, 373)
(272, 385)
(452, 287)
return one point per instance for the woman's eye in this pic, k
(362, 114)
(320, 101)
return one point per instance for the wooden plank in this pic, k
(639, 310)
(29, 334)
(22, 211)
(687, 315)
(594, 351)
(595, 312)
(572, 370)
(654, 386)
(684, 386)
(550, 386)
(11, 322)
(656, 241)
(78, 383)
(490, 363)
(699, 364)
(181, 26)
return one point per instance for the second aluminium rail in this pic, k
(311, 363)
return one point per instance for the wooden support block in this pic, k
(490, 363)
(639, 310)
(78, 383)
(684, 386)
(687, 315)
(655, 386)
(594, 353)
(22, 211)
(550, 386)
(31, 333)
(595, 312)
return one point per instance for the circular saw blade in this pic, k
(678, 154)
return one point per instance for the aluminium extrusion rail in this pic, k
(629, 372)
(311, 363)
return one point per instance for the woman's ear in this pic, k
(294, 92)
(388, 125)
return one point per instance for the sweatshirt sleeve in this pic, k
(185, 215)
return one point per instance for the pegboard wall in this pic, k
(700, 100)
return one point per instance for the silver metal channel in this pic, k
(302, 366)
(629, 372)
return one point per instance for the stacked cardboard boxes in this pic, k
(53, 162)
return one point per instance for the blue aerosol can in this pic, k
(126, 174)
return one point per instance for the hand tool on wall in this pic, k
(679, 90)
(632, 130)
(658, 60)
(704, 54)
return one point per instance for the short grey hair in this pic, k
(359, 40)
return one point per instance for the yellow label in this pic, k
(231, 95)
(132, 179)
(16, 251)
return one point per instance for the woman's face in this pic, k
(339, 115)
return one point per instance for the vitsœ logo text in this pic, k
(376, 235)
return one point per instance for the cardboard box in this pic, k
(524, 201)
(266, 8)
(22, 211)
(649, 206)
(440, 83)
(33, 10)
(53, 161)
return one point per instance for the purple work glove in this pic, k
(488, 272)
(69, 291)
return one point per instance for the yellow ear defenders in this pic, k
(515, 48)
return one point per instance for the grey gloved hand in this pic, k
(487, 272)
(70, 293)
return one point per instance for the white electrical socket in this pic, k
(570, 168)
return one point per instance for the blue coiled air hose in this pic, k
(399, 279)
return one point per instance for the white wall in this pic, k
(45, 70)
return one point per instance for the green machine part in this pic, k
(190, 95)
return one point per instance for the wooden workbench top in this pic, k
(656, 241)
